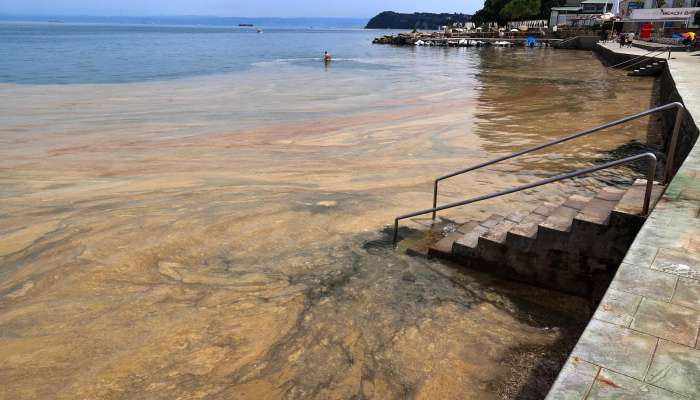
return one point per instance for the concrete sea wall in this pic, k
(642, 341)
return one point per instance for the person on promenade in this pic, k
(690, 41)
(622, 39)
(630, 39)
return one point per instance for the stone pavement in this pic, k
(642, 342)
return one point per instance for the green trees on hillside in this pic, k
(394, 20)
(520, 9)
(501, 11)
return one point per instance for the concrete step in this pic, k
(497, 234)
(545, 209)
(553, 233)
(470, 239)
(633, 200)
(562, 217)
(598, 209)
(523, 235)
(561, 246)
(443, 247)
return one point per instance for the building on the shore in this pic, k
(672, 16)
(579, 13)
(678, 16)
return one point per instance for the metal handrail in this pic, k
(663, 50)
(645, 208)
(669, 157)
(657, 53)
(566, 40)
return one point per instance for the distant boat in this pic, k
(245, 25)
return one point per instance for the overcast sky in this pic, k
(238, 8)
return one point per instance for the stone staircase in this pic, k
(574, 247)
(650, 69)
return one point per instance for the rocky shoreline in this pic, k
(533, 39)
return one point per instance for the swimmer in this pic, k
(326, 57)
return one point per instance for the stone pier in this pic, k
(642, 342)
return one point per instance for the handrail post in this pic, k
(396, 230)
(435, 192)
(651, 171)
(671, 153)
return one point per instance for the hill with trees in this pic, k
(502, 11)
(427, 21)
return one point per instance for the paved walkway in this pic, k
(642, 342)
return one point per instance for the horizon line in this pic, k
(168, 16)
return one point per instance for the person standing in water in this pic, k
(326, 57)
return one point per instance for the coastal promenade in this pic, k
(642, 342)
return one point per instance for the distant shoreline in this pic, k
(307, 22)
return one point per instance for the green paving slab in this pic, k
(676, 368)
(677, 262)
(667, 321)
(618, 307)
(641, 255)
(687, 293)
(644, 281)
(616, 348)
(610, 385)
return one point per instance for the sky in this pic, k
(230, 8)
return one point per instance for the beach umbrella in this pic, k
(676, 36)
(685, 35)
(531, 40)
(514, 30)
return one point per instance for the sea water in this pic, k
(191, 212)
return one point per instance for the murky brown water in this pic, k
(220, 237)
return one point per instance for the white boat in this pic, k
(420, 43)
(502, 43)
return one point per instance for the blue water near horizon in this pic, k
(74, 53)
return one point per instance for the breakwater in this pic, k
(476, 39)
